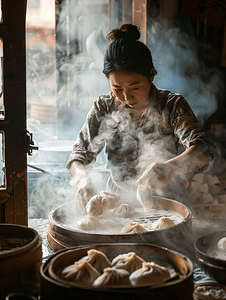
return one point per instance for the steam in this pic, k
(183, 69)
(47, 193)
(80, 82)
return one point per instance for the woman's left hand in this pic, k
(157, 174)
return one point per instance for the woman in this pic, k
(140, 127)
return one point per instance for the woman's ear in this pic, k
(152, 72)
(151, 78)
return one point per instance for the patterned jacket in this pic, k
(130, 143)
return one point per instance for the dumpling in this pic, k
(124, 210)
(210, 292)
(81, 272)
(114, 200)
(97, 205)
(97, 259)
(221, 245)
(112, 276)
(163, 223)
(87, 223)
(134, 227)
(150, 273)
(144, 196)
(129, 261)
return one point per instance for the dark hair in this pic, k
(127, 53)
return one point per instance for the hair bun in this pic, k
(125, 31)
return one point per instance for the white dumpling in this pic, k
(144, 197)
(221, 245)
(97, 205)
(134, 227)
(81, 272)
(124, 210)
(97, 259)
(87, 223)
(114, 199)
(150, 273)
(163, 223)
(112, 276)
(129, 261)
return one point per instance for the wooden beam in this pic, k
(139, 17)
(14, 71)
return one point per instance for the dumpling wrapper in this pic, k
(129, 261)
(134, 227)
(124, 210)
(112, 276)
(87, 223)
(97, 205)
(97, 259)
(114, 199)
(163, 223)
(144, 197)
(221, 245)
(150, 273)
(81, 272)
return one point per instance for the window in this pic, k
(65, 45)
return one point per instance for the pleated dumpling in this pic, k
(87, 223)
(150, 273)
(97, 259)
(114, 200)
(112, 276)
(124, 210)
(129, 261)
(144, 196)
(221, 245)
(80, 272)
(134, 227)
(163, 223)
(97, 205)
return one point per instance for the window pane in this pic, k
(0, 11)
(2, 109)
(65, 45)
(2, 160)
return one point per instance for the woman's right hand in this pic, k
(85, 191)
(84, 185)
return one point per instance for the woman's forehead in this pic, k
(124, 77)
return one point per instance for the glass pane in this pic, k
(2, 160)
(65, 45)
(2, 108)
(1, 11)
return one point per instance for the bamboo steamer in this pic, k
(20, 266)
(215, 267)
(180, 287)
(198, 295)
(19, 296)
(178, 237)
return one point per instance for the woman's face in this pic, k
(130, 88)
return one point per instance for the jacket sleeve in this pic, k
(84, 149)
(190, 132)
